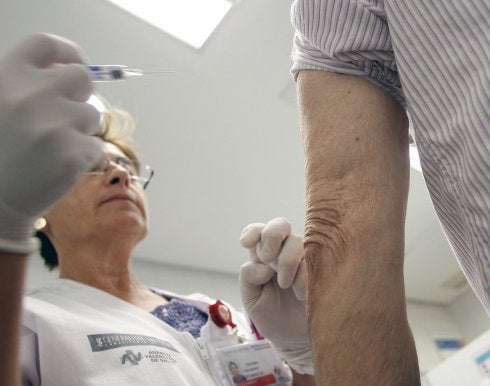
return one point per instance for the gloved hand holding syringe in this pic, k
(115, 72)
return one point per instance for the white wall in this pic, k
(469, 314)
(464, 318)
(429, 322)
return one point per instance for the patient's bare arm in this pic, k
(357, 173)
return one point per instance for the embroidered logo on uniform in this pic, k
(103, 342)
(131, 358)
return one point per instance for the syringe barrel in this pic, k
(107, 73)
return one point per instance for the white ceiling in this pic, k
(222, 132)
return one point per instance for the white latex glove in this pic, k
(44, 122)
(273, 290)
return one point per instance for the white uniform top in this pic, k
(75, 334)
(434, 58)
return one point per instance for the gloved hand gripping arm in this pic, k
(273, 290)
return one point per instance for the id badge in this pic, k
(254, 364)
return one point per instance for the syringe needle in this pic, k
(137, 72)
(158, 72)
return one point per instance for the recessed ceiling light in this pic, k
(191, 21)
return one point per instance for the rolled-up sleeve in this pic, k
(347, 37)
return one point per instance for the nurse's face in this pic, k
(103, 204)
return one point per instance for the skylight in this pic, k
(191, 21)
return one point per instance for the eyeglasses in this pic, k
(143, 176)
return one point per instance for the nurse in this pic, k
(97, 324)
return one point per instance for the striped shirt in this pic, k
(433, 57)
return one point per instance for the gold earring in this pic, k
(40, 223)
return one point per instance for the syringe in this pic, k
(115, 72)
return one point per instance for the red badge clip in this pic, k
(221, 314)
(255, 331)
